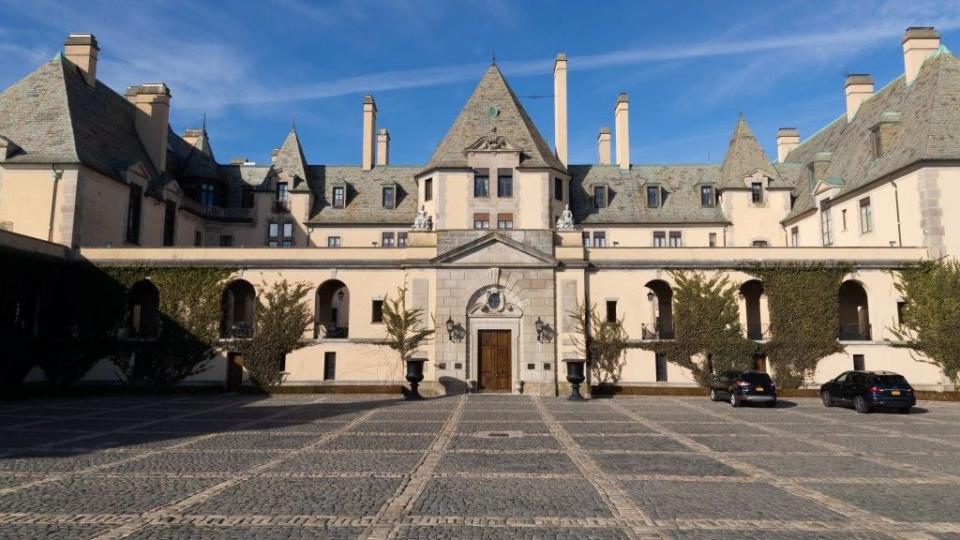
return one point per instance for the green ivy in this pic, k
(931, 314)
(282, 317)
(804, 317)
(706, 322)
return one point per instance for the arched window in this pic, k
(854, 312)
(239, 300)
(332, 315)
(750, 293)
(143, 310)
(660, 296)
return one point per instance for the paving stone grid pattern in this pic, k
(375, 467)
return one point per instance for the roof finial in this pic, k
(204, 122)
(493, 56)
(293, 121)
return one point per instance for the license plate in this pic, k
(894, 392)
(759, 389)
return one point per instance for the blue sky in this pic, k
(689, 67)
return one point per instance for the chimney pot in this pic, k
(603, 146)
(919, 42)
(82, 50)
(788, 138)
(622, 123)
(858, 88)
(560, 107)
(369, 129)
(383, 147)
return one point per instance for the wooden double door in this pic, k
(494, 360)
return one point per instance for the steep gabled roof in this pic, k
(493, 106)
(289, 162)
(744, 157)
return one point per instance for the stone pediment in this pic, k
(491, 143)
(495, 250)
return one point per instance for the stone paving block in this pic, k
(315, 496)
(398, 427)
(525, 427)
(819, 465)
(509, 497)
(882, 444)
(268, 532)
(349, 462)
(78, 495)
(58, 461)
(707, 428)
(715, 500)
(193, 462)
(27, 439)
(669, 464)
(447, 532)
(59, 532)
(910, 503)
(757, 534)
(138, 441)
(526, 442)
(252, 441)
(349, 441)
(754, 443)
(601, 426)
(505, 462)
(639, 443)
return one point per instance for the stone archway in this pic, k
(493, 336)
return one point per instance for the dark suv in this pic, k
(739, 387)
(867, 390)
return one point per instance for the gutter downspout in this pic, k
(57, 175)
(896, 200)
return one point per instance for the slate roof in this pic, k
(929, 120)
(680, 198)
(512, 123)
(289, 162)
(744, 157)
(364, 194)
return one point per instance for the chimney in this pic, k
(383, 146)
(152, 101)
(603, 146)
(369, 127)
(858, 88)
(788, 138)
(919, 42)
(622, 123)
(560, 107)
(82, 49)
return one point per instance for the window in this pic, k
(504, 221)
(389, 197)
(756, 192)
(659, 239)
(333, 241)
(504, 183)
(339, 196)
(287, 234)
(826, 222)
(859, 362)
(866, 216)
(843, 219)
(273, 234)
(707, 199)
(133, 214)
(481, 183)
(401, 239)
(246, 198)
(197, 238)
(653, 196)
(586, 239)
(760, 243)
(558, 189)
(712, 239)
(169, 223)
(611, 311)
(481, 221)
(599, 239)
(282, 202)
(226, 240)
(207, 194)
(875, 143)
(661, 366)
(376, 311)
(428, 189)
(600, 196)
(795, 236)
(675, 239)
(901, 313)
(387, 240)
(329, 366)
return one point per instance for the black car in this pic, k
(739, 387)
(867, 390)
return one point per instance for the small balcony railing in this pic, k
(854, 332)
(758, 332)
(281, 207)
(330, 331)
(654, 332)
(218, 212)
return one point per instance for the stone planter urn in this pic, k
(576, 374)
(414, 376)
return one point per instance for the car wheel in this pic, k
(772, 404)
(826, 399)
(860, 405)
(904, 410)
(733, 399)
(713, 395)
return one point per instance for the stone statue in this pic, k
(422, 222)
(565, 223)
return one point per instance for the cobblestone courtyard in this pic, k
(477, 467)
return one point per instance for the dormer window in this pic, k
(599, 196)
(208, 194)
(428, 189)
(875, 143)
(339, 196)
(653, 196)
(756, 192)
(389, 197)
(707, 197)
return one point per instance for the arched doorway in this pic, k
(238, 303)
(854, 312)
(143, 310)
(660, 296)
(332, 313)
(750, 293)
